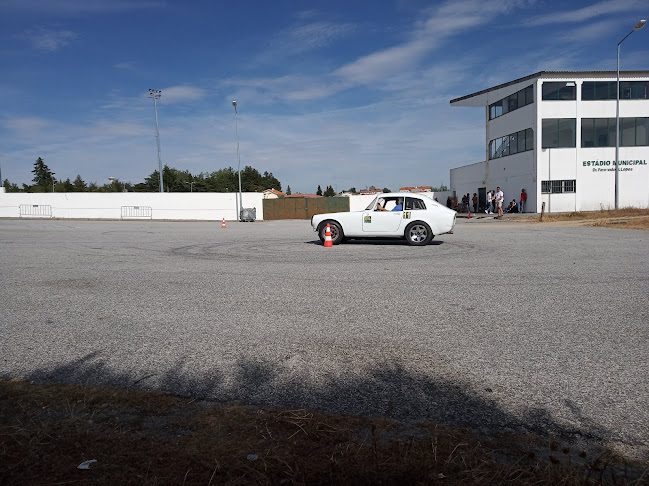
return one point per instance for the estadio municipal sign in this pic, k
(609, 165)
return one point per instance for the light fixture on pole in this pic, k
(191, 186)
(155, 94)
(236, 128)
(639, 26)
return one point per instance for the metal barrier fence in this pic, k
(137, 212)
(35, 211)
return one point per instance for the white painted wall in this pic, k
(175, 205)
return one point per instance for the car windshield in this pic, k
(371, 206)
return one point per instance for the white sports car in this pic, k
(415, 217)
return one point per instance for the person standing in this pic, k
(523, 201)
(489, 208)
(500, 198)
(475, 202)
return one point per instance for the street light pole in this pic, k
(236, 128)
(639, 26)
(155, 94)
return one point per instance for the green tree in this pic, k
(329, 192)
(222, 180)
(440, 188)
(64, 186)
(385, 189)
(319, 191)
(9, 187)
(288, 190)
(43, 177)
(79, 185)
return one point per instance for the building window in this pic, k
(564, 90)
(558, 187)
(512, 102)
(634, 132)
(511, 144)
(605, 90)
(598, 132)
(558, 132)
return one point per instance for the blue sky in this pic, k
(342, 93)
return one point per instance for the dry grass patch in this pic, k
(631, 218)
(145, 438)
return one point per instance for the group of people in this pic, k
(497, 199)
(495, 202)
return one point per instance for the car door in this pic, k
(382, 222)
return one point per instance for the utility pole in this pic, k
(236, 128)
(155, 94)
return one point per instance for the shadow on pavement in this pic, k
(377, 241)
(388, 390)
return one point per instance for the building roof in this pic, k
(477, 98)
(274, 191)
(298, 194)
(415, 189)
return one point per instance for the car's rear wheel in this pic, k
(418, 233)
(336, 232)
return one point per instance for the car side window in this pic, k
(413, 203)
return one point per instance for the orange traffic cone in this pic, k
(469, 214)
(223, 223)
(328, 243)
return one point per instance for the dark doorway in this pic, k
(482, 198)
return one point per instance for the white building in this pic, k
(553, 134)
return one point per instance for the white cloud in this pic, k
(606, 7)
(589, 31)
(49, 40)
(439, 24)
(26, 124)
(126, 65)
(309, 36)
(177, 94)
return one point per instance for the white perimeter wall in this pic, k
(180, 205)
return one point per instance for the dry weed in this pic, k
(630, 218)
(144, 438)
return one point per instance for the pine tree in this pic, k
(43, 176)
(319, 191)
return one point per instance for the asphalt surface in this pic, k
(500, 326)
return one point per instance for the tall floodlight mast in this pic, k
(236, 129)
(155, 94)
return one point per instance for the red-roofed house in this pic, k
(273, 194)
(299, 194)
(416, 189)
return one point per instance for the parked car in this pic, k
(415, 217)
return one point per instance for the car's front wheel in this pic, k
(418, 233)
(336, 231)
